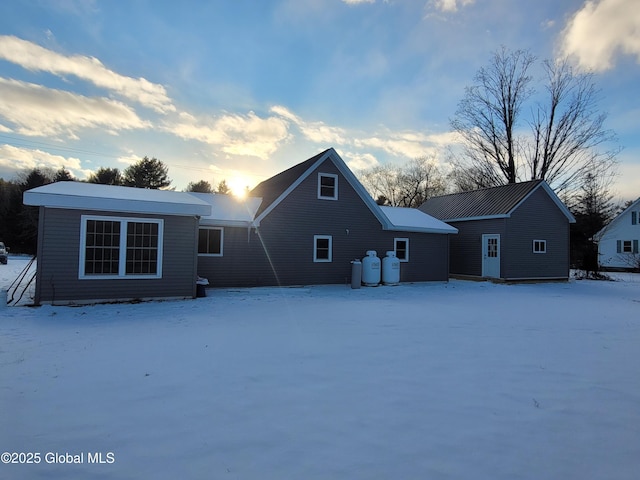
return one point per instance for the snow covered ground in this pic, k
(425, 381)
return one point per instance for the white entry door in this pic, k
(491, 256)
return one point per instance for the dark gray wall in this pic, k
(538, 218)
(281, 251)
(466, 246)
(58, 257)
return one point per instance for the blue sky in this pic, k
(240, 90)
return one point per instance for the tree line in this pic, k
(19, 222)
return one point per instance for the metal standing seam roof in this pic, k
(488, 202)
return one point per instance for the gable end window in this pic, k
(401, 247)
(539, 246)
(634, 218)
(116, 247)
(210, 241)
(327, 186)
(322, 248)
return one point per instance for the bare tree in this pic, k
(407, 185)
(567, 129)
(488, 115)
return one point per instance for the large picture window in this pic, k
(210, 241)
(115, 247)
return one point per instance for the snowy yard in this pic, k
(425, 381)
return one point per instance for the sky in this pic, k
(241, 90)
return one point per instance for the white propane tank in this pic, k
(371, 269)
(391, 269)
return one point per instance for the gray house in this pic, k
(303, 226)
(108, 243)
(515, 232)
(314, 219)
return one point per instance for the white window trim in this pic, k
(315, 249)
(123, 241)
(543, 244)
(395, 248)
(335, 190)
(630, 246)
(221, 242)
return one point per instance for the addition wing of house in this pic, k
(275, 189)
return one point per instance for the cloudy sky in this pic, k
(240, 90)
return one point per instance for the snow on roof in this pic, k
(413, 220)
(112, 198)
(227, 210)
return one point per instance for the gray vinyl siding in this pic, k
(537, 219)
(280, 251)
(58, 258)
(466, 246)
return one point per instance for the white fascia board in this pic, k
(106, 204)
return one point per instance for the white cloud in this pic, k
(318, 132)
(450, 6)
(360, 161)
(358, 2)
(18, 158)
(33, 57)
(39, 111)
(600, 30)
(236, 134)
(407, 144)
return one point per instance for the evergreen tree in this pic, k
(147, 173)
(201, 186)
(106, 176)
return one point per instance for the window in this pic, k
(210, 241)
(327, 186)
(635, 218)
(539, 246)
(114, 247)
(401, 247)
(627, 246)
(322, 248)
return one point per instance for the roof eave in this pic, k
(71, 202)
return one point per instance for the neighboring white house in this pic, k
(618, 241)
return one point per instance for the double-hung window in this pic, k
(116, 247)
(627, 246)
(401, 247)
(210, 241)
(327, 186)
(322, 248)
